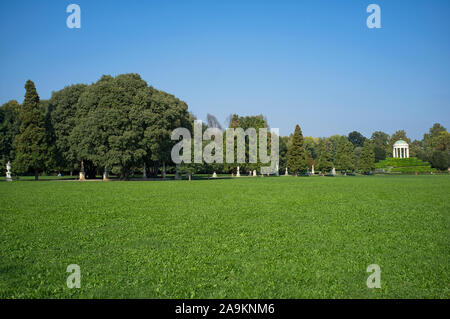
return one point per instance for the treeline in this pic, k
(118, 124)
(121, 125)
(356, 153)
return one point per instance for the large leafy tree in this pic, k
(324, 161)
(31, 142)
(296, 157)
(366, 161)
(435, 146)
(430, 139)
(162, 113)
(311, 146)
(416, 149)
(122, 125)
(63, 105)
(9, 128)
(344, 156)
(109, 130)
(356, 138)
(380, 141)
(441, 154)
(335, 140)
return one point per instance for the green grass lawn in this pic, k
(283, 237)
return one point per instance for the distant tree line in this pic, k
(356, 153)
(123, 126)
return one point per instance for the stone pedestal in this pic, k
(8, 172)
(312, 170)
(254, 172)
(286, 173)
(105, 175)
(177, 173)
(82, 175)
(163, 174)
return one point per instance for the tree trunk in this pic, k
(36, 174)
(164, 170)
(125, 174)
(155, 170)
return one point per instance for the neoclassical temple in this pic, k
(401, 149)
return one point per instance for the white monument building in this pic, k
(401, 149)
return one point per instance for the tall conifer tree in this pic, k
(30, 143)
(366, 162)
(344, 156)
(296, 157)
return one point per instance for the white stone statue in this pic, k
(82, 174)
(254, 172)
(333, 171)
(312, 170)
(106, 174)
(238, 174)
(286, 173)
(214, 175)
(8, 172)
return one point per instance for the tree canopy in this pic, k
(9, 128)
(366, 161)
(356, 138)
(31, 142)
(324, 162)
(121, 123)
(296, 156)
(344, 156)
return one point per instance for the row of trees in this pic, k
(324, 155)
(121, 125)
(117, 124)
(358, 153)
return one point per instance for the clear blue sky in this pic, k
(312, 62)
